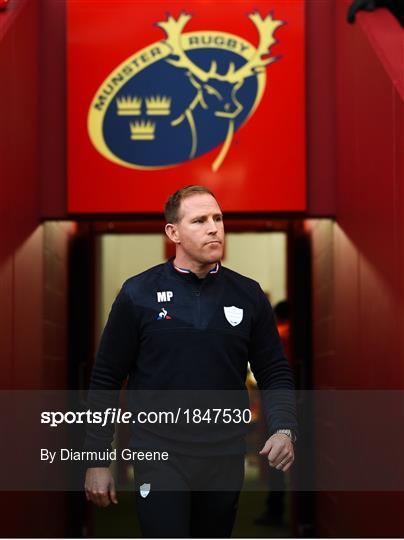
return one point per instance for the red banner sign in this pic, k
(163, 95)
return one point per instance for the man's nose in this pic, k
(212, 226)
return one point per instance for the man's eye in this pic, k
(219, 218)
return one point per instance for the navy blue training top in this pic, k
(169, 333)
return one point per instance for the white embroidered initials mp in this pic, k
(233, 314)
(164, 296)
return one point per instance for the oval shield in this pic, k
(179, 98)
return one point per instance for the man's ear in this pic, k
(172, 232)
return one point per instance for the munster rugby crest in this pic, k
(181, 97)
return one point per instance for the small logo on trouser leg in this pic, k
(145, 490)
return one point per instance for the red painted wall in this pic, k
(19, 197)
(33, 257)
(52, 103)
(320, 106)
(358, 261)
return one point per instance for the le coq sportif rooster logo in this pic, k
(181, 97)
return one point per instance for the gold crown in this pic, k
(128, 106)
(142, 131)
(158, 105)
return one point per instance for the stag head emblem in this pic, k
(189, 94)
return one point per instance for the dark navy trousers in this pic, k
(188, 497)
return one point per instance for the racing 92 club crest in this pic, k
(182, 96)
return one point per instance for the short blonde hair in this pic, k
(173, 203)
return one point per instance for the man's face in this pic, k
(200, 231)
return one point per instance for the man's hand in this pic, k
(100, 486)
(279, 450)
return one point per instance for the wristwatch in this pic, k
(287, 432)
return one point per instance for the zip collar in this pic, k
(188, 275)
(186, 271)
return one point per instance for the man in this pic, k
(191, 324)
